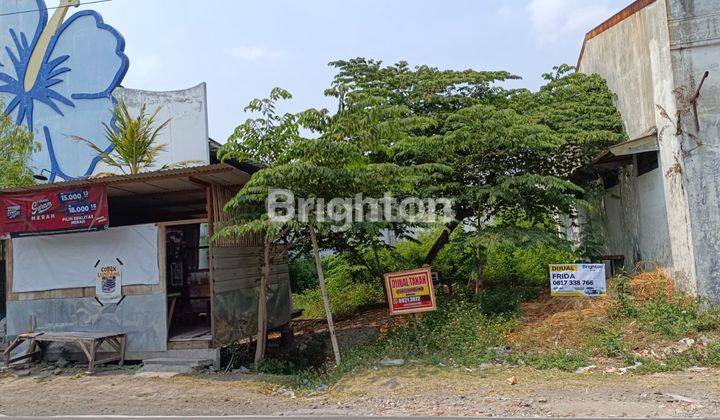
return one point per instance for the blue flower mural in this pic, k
(69, 92)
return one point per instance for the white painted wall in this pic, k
(186, 136)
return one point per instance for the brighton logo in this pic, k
(341, 213)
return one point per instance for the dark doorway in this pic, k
(188, 286)
(3, 282)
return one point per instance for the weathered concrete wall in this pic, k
(694, 31)
(622, 56)
(653, 230)
(673, 43)
(629, 56)
(186, 136)
(141, 317)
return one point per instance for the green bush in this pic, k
(675, 317)
(346, 290)
(404, 255)
(508, 263)
(533, 262)
(509, 257)
(503, 300)
(303, 274)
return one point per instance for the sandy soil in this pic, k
(384, 391)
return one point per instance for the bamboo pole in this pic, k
(262, 304)
(323, 291)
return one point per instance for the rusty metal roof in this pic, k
(618, 17)
(156, 182)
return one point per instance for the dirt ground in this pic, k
(406, 390)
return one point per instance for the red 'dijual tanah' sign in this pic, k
(54, 211)
(410, 291)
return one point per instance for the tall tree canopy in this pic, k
(509, 156)
(512, 154)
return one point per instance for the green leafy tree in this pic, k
(16, 149)
(514, 156)
(324, 167)
(133, 140)
(264, 139)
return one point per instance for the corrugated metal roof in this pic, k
(621, 154)
(162, 181)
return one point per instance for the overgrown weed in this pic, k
(640, 321)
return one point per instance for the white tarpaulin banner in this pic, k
(69, 261)
(577, 280)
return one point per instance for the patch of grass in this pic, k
(464, 332)
(671, 318)
(662, 310)
(610, 343)
(457, 334)
(704, 357)
(308, 355)
(504, 301)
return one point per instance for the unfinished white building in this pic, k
(662, 198)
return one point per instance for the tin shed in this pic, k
(180, 291)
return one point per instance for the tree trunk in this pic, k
(323, 291)
(440, 242)
(262, 304)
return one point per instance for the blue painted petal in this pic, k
(22, 114)
(66, 156)
(57, 61)
(11, 107)
(24, 39)
(52, 82)
(59, 98)
(96, 57)
(18, 45)
(29, 112)
(25, 26)
(58, 72)
(7, 78)
(15, 59)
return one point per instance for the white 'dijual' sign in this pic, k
(577, 280)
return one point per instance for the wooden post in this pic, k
(262, 303)
(323, 291)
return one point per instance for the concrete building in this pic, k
(662, 199)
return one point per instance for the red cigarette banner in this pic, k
(410, 291)
(54, 212)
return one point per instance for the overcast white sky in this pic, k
(244, 48)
